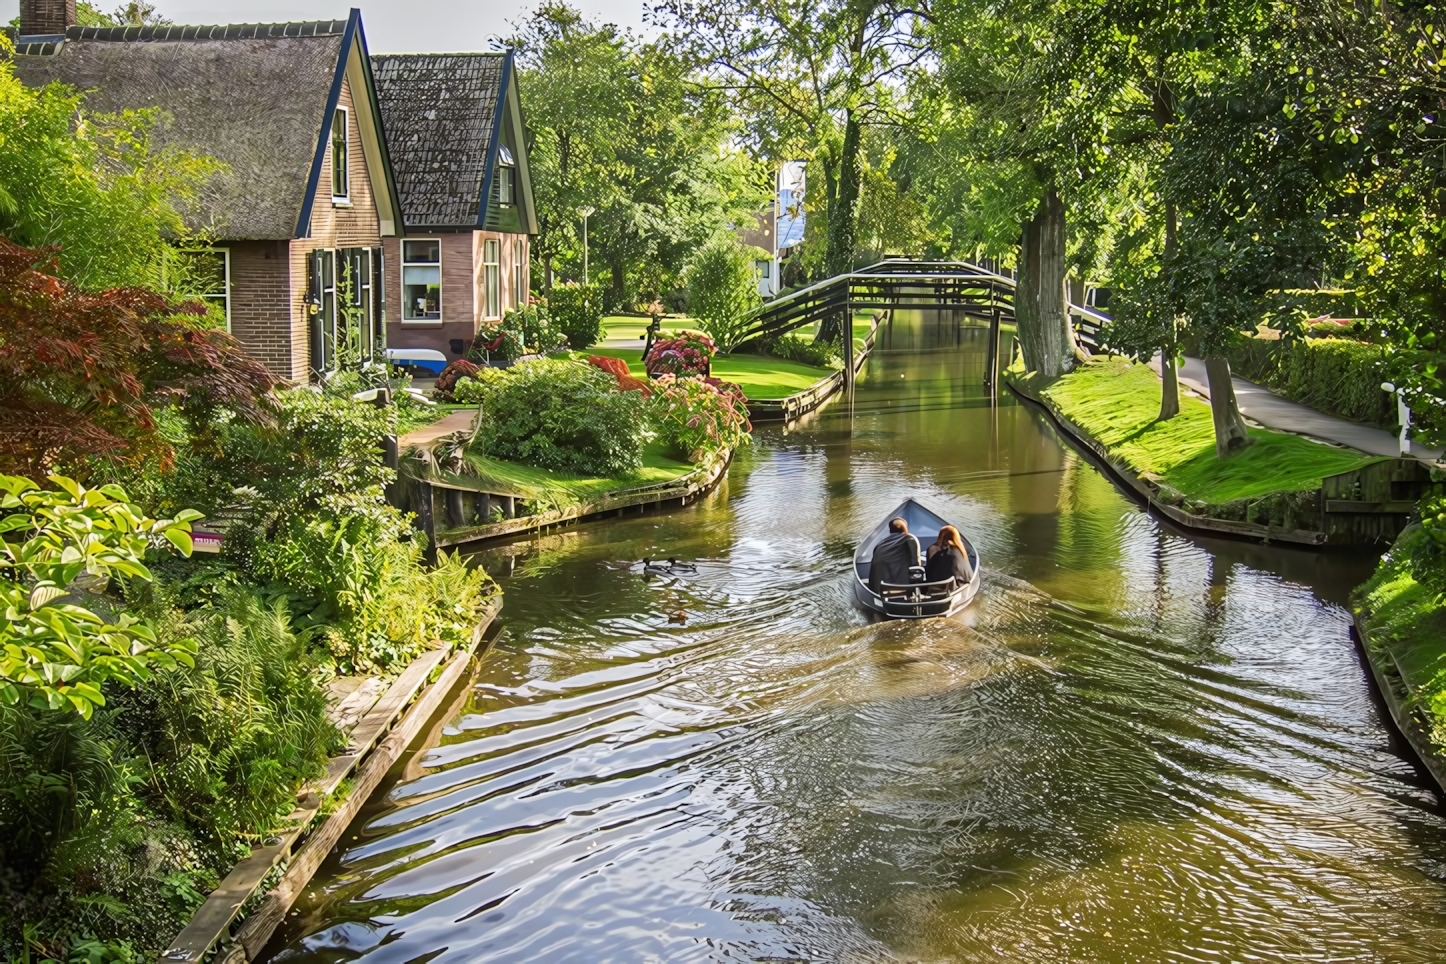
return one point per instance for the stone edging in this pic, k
(1125, 478)
(376, 743)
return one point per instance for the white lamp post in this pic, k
(1403, 414)
(585, 213)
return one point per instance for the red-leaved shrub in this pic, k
(453, 373)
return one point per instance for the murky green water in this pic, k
(1177, 760)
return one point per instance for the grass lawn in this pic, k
(760, 376)
(564, 488)
(634, 329)
(1406, 620)
(1116, 401)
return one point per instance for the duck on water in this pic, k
(903, 588)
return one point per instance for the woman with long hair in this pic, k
(948, 558)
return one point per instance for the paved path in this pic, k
(1265, 407)
(427, 434)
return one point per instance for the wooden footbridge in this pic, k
(894, 284)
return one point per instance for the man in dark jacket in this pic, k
(895, 554)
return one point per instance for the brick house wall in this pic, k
(260, 313)
(333, 225)
(463, 295)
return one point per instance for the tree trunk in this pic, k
(1041, 299)
(547, 276)
(1230, 430)
(1169, 384)
(843, 220)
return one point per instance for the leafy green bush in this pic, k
(55, 653)
(117, 825)
(496, 342)
(698, 418)
(536, 326)
(723, 289)
(806, 351)
(556, 414)
(1339, 376)
(576, 310)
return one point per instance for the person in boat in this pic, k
(948, 559)
(894, 556)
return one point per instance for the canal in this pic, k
(1135, 746)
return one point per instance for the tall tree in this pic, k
(623, 128)
(808, 76)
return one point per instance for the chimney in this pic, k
(46, 17)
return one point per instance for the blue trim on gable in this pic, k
(496, 139)
(323, 141)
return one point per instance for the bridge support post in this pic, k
(848, 346)
(991, 355)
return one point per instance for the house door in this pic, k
(322, 303)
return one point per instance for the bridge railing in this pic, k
(901, 283)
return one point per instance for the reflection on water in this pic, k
(1134, 747)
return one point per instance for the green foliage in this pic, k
(98, 189)
(55, 653)
(628, 129)
(116, 825)
(821, 354)
(723, 289)
(1338, 376)
(698, 419)
(497, 341)
(556, 414)
(577, 311)
(536, 326)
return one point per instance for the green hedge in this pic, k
(1337, 376)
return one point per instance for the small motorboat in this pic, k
(916, 599)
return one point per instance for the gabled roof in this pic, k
(444, 117)
(257, 97)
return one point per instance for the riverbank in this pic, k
(1282, 487)
(1401, 625)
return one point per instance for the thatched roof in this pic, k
(440, 113)
(253, 96)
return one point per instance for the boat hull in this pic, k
(919, 600)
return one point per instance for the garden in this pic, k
(160, 708)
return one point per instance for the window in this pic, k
(763, 268)
(492, 277)
(208, 273)
(521, 283)
(422, 280)
(506, 176)
(340, 182)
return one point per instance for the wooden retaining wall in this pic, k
(1365, 506)
(811, 398)
(439, 505)
(376, 742)
(1391, 684)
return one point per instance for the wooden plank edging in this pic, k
(801, 403)
(1407, 723)
(585, 510)
(211, 921)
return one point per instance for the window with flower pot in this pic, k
(422, 280)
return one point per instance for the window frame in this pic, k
(491, 278)
(225, 296)
(521, 281)
(506, 178)
(342, 170)
(402, 278)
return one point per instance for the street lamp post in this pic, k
(585, 213)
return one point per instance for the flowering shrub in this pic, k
(558, 414)
(496, 341)
(689, 353)
(618, 368)
(577, 312)
(459, 369)
(539, 332)
(697, 418)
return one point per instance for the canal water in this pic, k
(1135, 746)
